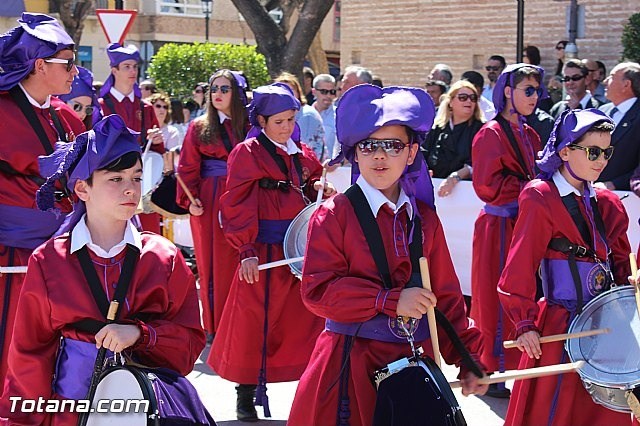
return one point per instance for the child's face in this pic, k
(114, 195)
(578, 159)
(279, 127)
(524, 104)
(381, 169)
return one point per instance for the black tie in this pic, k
(613, 112)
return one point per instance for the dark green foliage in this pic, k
(631, 39)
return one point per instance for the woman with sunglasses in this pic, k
(503, 153)
(448, 144)
(203, 167)
(82, 99)
(162, 108)
(199, 97)
(559, 211)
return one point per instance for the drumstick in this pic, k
(186, 190)
(282, 262)
(508, 344)
(634, 274)
(431, 312)
(13, 270)
(528, 373)
(323, 179)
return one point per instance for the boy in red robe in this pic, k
(265, 333)
(158, 323)
(380, 131)
(36, 61)
(504, 154)
(549, 207)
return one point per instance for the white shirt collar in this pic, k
(585, 100)
(626, 105)
(120, 96)
(376, 198)
(565, 188)
(222, 116)
(80, 236)
(290, 148)
(33, 102)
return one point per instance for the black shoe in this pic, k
(497, 390)
(245, 409)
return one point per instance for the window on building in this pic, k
(180, 7)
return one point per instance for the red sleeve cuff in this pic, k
(524, 326)
(247, 250)
(147, 338)
(386, 301)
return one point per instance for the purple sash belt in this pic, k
(213, 167)
(381, 327)
(27, 228)
(74, 368)
(272, 231)
(558, 285)
(504, 210)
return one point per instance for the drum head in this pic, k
(121, 387)
(612, 359)
(295, 240)
(152, 167)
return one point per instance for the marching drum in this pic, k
(152, 168)
(295, 240)
(612, 361)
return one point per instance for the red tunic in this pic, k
(216, 258)
(341, 282)
(236, 353)
(132, 116)
(162, 287)
(492, 155)
(20, 148)
(542, 217)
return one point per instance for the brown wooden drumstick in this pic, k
(508, 344)
(431, 312)
(529, 373)
(185, 189)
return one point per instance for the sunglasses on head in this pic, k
(577, 77)
(68, 62)
(463, 97)
(393, 147)
(594, 152)
(327, 91)
(78, 107)
(529, 91)
(224, 89)
(161, 106)
(490, 68)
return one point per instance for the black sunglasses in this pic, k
(68, 62)
(161, 106)
(559, 47)
(577, 77)
(393, 147)
(462, 97)
(198, 91)
(594, 152)
(529, 91)
(224, 89)
(327, 91)
(78, 107)
(490, 68)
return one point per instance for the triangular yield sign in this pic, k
(116, 23)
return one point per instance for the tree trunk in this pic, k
(317, 57)
(73, 20)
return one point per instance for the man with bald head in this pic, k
(442, 72)
(354, 75)
(593, 81)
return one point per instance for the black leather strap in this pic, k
(109, 103)
(271, 149)
(224, 135)
(506, 128)
(27, 110)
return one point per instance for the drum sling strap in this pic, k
(143, 134)
(506, 128)
(574, 250)
(267, 183)
(373, 236)
(226, 141)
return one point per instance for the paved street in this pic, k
(219, 396)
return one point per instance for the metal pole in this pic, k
(206, 24)
(119, 4)
(520, 34)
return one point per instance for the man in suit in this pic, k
(623, 89)
(575, 84)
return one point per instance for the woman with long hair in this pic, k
(448, 144)
(162, 107)
(203, 167)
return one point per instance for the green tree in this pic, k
(176, 68)
(631, 39)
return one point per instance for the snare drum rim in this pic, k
(146, 385)
(288, 254)
(572, 345)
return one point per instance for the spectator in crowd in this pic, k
(560, 46)
(354, 75)
(575, 84)
(377, 81)
(307, 79)
(554, 84)
(199, 93)
(623, 90)
(447, 148)
(594, 81)
(435, 89)
(495, 65)
(188, 108)
(177, 117)
(162, 107)
(475, 78)
(324, 90)
(442, 72)
(309, 120)
(531, 55)
(147, 88)
(602, 71)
